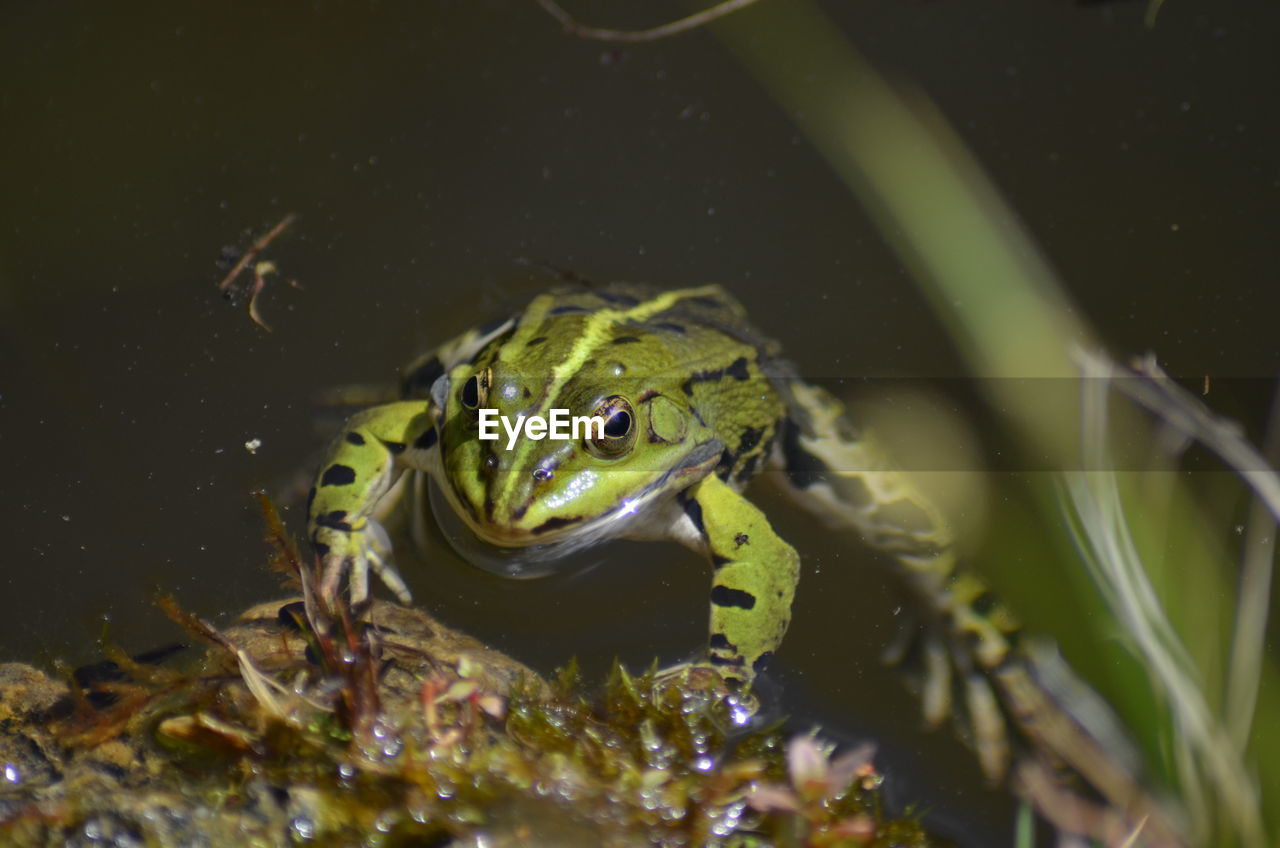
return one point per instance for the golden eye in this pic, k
(475, 391)
(619, 428)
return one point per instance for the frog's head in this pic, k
(577, 482)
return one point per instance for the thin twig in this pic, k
(572, 27)
(260, 269)
(257, 247)
(1184, 412)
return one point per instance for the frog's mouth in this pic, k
(513, 557)
(535, 552)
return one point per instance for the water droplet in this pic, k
(304, 827)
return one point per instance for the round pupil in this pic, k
(618, 425)
(471, 393)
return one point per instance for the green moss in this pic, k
(643, 762)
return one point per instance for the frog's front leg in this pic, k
(754, 580)
(361, 466)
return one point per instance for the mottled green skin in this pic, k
(709, 404)
(705, 397)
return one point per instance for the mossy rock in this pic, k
(401, 731)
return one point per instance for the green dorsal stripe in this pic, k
(596, 331)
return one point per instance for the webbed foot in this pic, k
(354, 552)
(941, 670)
(737, 694)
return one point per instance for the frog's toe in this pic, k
(987, 723)
(359, 586)
(335, 558)
(332, 570)
(935, 683)
(375, 555)
(361, 554)
(389, 576)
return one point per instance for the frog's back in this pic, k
(689, 325)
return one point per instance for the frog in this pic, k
(695, 403)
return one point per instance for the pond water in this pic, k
(437, 155)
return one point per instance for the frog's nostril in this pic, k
(542, 475)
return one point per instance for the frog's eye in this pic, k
(475, 391)
(619, 432)
(470, 396)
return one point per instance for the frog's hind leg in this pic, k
(1006, 683)
(848, 481)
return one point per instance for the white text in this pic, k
(560, 425)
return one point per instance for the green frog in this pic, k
(694, 403)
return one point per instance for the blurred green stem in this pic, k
(1012, 322)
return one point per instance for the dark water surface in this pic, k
(428, 149)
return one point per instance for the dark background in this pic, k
(428, 149)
